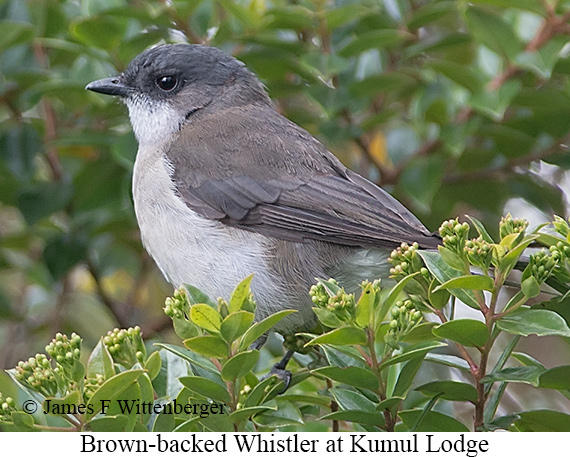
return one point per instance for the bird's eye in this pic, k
(166, 83)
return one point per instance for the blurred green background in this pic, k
(454, 107)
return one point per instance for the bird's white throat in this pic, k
(152, 121)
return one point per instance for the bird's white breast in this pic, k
(188, 248)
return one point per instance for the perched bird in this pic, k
(225, 186)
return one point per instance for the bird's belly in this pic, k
(188, 248)
(191, 249)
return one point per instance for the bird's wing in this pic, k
(326, 208)
(309, 196)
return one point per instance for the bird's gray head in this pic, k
(164, 86)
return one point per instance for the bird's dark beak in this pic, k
(110, 86)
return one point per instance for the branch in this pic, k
(50, 121)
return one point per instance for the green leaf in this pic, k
(188, 426)
(541, 322)
(433, 421)
(407, 376)
(239, 365)
(261, 327)
(328, 318)
(146, 395)
(60, 406)
(527, 360)
(467, 332)
(543, 421)
(129, 396)
(365, 306)
(494, 32)
(379, 39)
(472, 282)
(340, 336)
(306, 399)
(340, 15)
(351, 400)
(63, 251)
(206, 317)
(208, 345)
(14, 33)
(382, 83)
(429, 13)
(259, 392)
(164, 422)
(23, 422)
(285, 414)
(502, 422)
(217, 423)
(438, 298)
(196, 296)
(461, 74)
(449, 390)
(481, 230)
(153, 364)
(555, 378)
(413, 351)
(444, 273)
(534, 6)
(103, 32)
(235, 325)
(353, 376)
(38, 201)
(508, 262)
(245, 413)
(111, 389)
(100, 362)
(206, 387)
(240, 294)
(358, 417)
(392, 297)
(189, 356)
(184, 329)
(528, 375)
(420, 333)
(343, 356)
(448, 361)
(117, 423)
(530, 287)
(452, 259)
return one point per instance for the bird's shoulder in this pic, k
(254, 140)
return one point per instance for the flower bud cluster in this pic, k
(38, 374)
(563, 249)
(65, 351)
(177, 306)
(405, 316)
(7, 405)
(405, 260)
(244, 393)
(542, 263)
(479, 252)
(561, 226)
(454, 235)
(332, 301)
(92, 385)
(125, 346)
(296, 343)
(509, 225)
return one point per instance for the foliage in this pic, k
(365, 364)
(453, 106)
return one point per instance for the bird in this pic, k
(225, 186)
